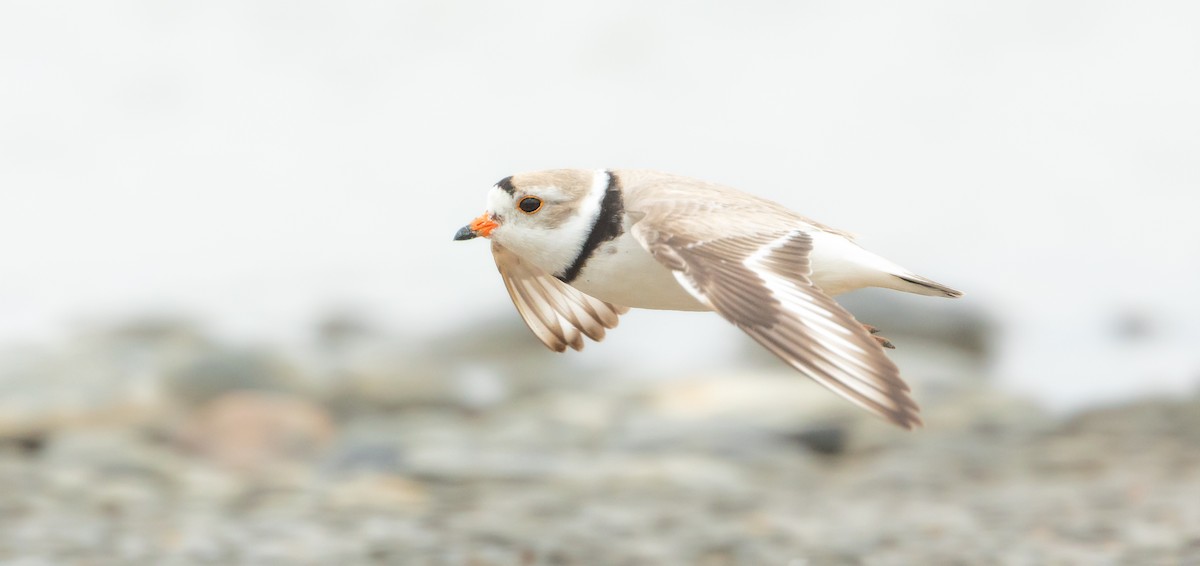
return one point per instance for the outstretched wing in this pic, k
(760, 282)
(557, 313)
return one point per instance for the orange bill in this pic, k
(481, 226)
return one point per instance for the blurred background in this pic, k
(234, 327)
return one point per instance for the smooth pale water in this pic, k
(257, 163)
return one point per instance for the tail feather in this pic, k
(922, 286)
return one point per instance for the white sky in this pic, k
(255, 163)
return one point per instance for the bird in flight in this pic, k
(578, 248)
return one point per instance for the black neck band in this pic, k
(607, 227)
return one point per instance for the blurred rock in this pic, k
(117, 449)
(1179, 418)
(385, 377)
(473, 369)
(367, 445)
(104, 375)
(362, 457)
(160, 337)
(778, 400)
(560, 476)
(30, 443)
(251, 431)
(957, 324)
(474, 450)
(38, 399)
(460, 463)
(825, 439)
(344, 329)
(378, 491)
(506, 348)
(222, 371)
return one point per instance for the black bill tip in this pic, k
(465, 233)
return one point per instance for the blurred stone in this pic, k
(30, 444)
(591, 411)
(101, 377)
(252, 430)
(824, 439)
(475, 467)
(357, 456)
(457, 463)
(479, 387)
(343, 329)
(953, 323)
(162, 335)
(778, 400)
(1177, 418)
(383, 376)
(222, 371)
(473, 369)
(378, 491)
(983, 409)
(504, 348)
(41, 412)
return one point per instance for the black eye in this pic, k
(530, 205)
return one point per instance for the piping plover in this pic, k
(578, 248)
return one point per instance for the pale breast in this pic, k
(622, 272)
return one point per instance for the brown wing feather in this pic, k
(760, 283)
(558, 314)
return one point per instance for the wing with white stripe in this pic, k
(558, 314)
(760, 282)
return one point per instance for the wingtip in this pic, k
(913, 424)
(908, 420)
(924, 286)
(908, 423)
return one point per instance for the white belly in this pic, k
(622, 272)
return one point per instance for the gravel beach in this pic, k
(529, 484)
(762, 468)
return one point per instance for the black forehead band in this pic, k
(506, 185)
